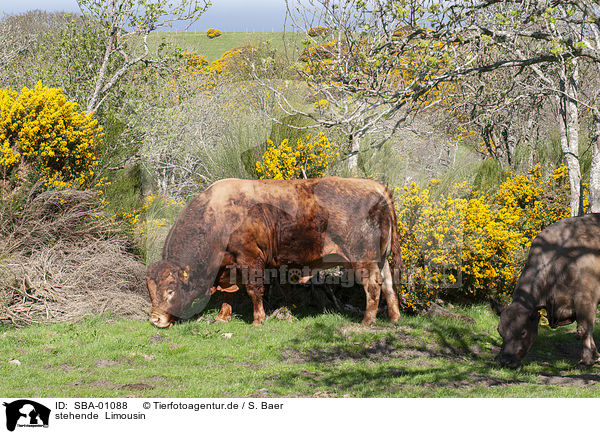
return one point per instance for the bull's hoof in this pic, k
(395, 318)
(257, 323)
(587, 362)
(222, 319)
(368, 322)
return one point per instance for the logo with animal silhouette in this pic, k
(26, 413)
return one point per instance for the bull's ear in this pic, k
(535, 315)
(184, 274)
(496, 306)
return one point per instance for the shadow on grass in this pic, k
(305, 300)
(424, 357)
(419, 356)
(558, 346)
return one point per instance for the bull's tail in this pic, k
(393, 271)
(397, 265)
(397, 262)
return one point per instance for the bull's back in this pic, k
(310, 218)
(335, 191)
(564, 258)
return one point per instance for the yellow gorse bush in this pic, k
(308, 158)
(431, 234)
(193, 64)
(156, 216)
(318, 31)
(472, 244)
(321, 105)
(145, 220)
(43, 134)
(228, 61)
(213, 33)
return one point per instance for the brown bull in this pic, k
(562, 275)
(235, 232)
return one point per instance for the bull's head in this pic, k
(518, 328)
(170, 293)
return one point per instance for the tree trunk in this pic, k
(92, 104)
(595, 169)
(569, 133)
(354, 143)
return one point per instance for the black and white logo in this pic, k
(26, 413)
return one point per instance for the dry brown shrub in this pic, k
(69, 215)
(61, 259)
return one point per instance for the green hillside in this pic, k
(213, 48)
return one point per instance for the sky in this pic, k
(225, 15)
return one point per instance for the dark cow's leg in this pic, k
(256, 291)
(585, 315)
(389, 293)
(369, 276)
(225, 312)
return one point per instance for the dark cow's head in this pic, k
(518, 328)
(170, 293)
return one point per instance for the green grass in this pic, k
(319, 355)
(213, 48)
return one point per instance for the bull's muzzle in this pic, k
(161, 320)
(509, 361)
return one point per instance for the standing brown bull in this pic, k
(562, 275)
(236, 230)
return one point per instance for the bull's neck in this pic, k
(527, 296)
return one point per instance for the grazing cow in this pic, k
(562, 275)
(236, 231)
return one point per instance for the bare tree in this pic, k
(127, 24)
(12, 41)
(369, 65)
(551, 39)
(503, 109)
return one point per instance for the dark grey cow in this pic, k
(562, 275)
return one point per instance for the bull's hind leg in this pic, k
(369, 276)
(389, 293)
(585, 315)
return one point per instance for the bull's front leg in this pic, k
(585, 315)
(225, 312)
(256, 290)
(254, 282)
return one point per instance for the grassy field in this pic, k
(213, 48)
(320, 355)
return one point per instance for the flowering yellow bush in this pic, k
(228, 61)
(318, 60)
(213, 33)
(318, 31)
(211, 73)
(321, 105)
(44, 135)
(193, 62)
(150, 216)
(308, 158)
(431, 234)
(534, 199)
(472, 244)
